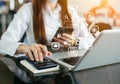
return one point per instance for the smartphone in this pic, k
(72, 60)
(61, 30)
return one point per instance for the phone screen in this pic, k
(72, 60)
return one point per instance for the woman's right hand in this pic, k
(35, 51)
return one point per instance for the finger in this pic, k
(30, 54)
(38, 51)
(67, 39)
(58, 40)
(37, 47)
(35, 53)
(49, 53)
(62, 41)
(44, 50)
(67, 36)
(40, 57)
(72, 39)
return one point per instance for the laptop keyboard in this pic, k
(42, 65)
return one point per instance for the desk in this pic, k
(109, 74)
(6, 74)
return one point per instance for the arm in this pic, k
(9, 40)
(83, 35)
(9, 43)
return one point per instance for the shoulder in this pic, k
(27, 5)
(25, 12)
(26, 8)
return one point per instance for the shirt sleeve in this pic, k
(10, 39)
(80, 30)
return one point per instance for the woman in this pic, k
(40, 20)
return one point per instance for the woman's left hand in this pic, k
(66, 39)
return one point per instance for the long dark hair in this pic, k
(38, 23)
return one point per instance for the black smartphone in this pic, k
(72, 60)
(61, 30)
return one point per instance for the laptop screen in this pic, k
(106, 50)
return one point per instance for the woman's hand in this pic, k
(66, 39)
(35, 51)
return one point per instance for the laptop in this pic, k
(105, 50)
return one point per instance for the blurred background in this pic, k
(85, 5)
(91, 10)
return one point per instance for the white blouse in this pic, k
(23, 22)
